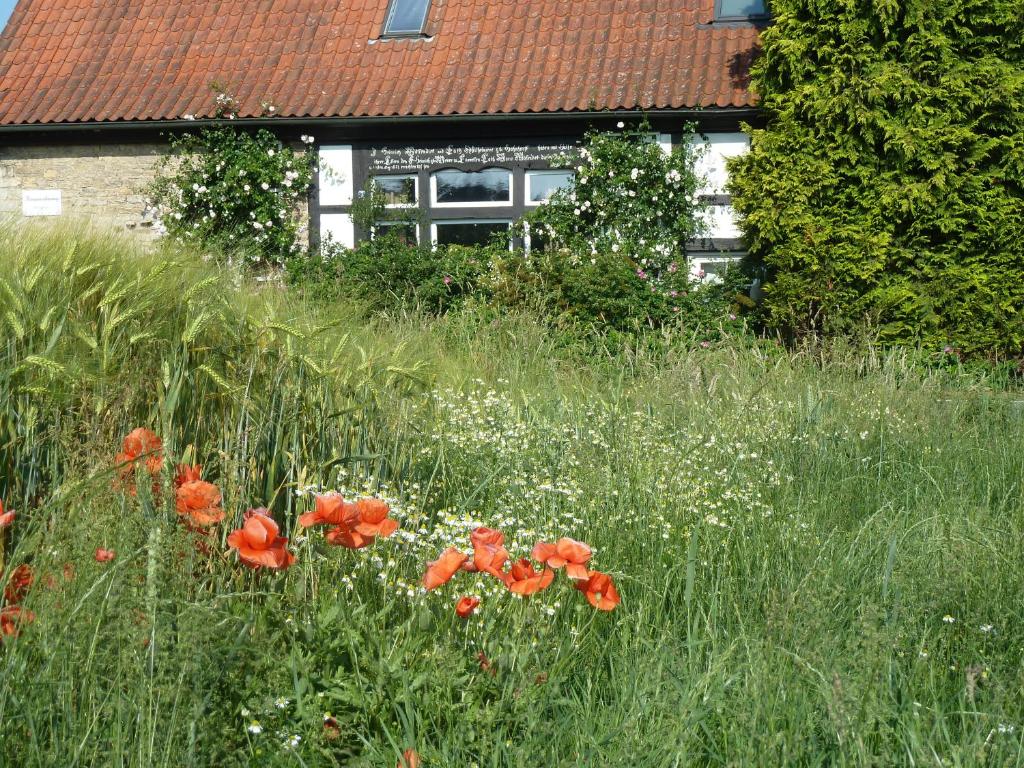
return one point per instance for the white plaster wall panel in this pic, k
(339, 228)
(336, 175)
(715, 149)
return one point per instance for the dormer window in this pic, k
(406, 18)
(740, 10)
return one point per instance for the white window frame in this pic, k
(415, 186)
(413, 224)
(486, 204)
(698, 261)
(433, 227)
(541, 172)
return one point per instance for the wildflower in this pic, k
(258, 544)
(373, 518)
(409, 759)
(200, 501)
(12, 618)
(447, 280)
(489, 553)
(139, 443)
(948, 619)
(440, 571)
(986, 628)
(185, 473)
(104, 555)
(19, 583)
(466, 606)
(331, 729)
(6, 518)
(330, 509)
(600, 590)
(523, 579)
(255, 728)
(571, 554)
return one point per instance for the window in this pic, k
(726, 10)
(710, 269)
(406, 231)
(491, 186)
(540, 185)
(399, 191)
(406, 17)
(467, 231)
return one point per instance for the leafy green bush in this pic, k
(235, 191)
(887, 190)
(384, 274)
(612, 292)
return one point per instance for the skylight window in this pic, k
(406, 17)
(728, 10)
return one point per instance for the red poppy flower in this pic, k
(600, 590)
(200, 501)
(481, 536)
(409, 759)
(104, 555)
(6, 518)
(186, 474)
(141, 443)
(259, 546)
(19, 583)
(440, 571)
(489, 553)
(373, 518)
(343, 536)
(567, 552)
(331, 509)
(523, 579)
(12, 618)
(466, 606)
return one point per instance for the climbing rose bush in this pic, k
(236, 191)
(627, 197)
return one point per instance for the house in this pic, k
(454, 107)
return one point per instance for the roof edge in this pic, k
(354, 122)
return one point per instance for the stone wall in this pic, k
(102, 183)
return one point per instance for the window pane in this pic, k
(406, 17)
(468, 233)
(743, 8)
(544, 183)
(403, 231)
(491, 185)
(398, 190)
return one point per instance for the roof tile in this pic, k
(67, 61)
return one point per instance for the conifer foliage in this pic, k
(887, 187)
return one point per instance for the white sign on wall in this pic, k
(41, 202)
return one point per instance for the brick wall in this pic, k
(103, 183)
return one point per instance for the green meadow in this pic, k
(819, 553)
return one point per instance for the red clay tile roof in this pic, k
(66, 61)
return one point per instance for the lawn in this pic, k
(820, 555)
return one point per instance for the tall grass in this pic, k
(819, 554)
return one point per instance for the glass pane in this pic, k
(398, 190)
(544, 183)
(491, 185)
(743, 8)
(468, 233)
(404, 232)
(406, 17)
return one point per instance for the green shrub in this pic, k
(235, 191)
(887, 190)
(384, 274)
